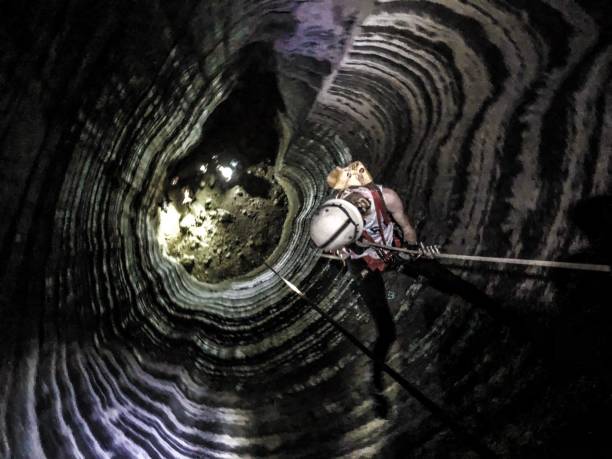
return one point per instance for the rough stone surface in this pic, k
(231, 230)
(493, 119)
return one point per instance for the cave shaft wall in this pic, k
(492, 119)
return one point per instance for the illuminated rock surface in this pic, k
(492, 119)
(218, 233)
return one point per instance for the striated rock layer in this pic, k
(493, 120)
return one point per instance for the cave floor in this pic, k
(224, 232)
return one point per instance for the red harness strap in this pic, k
(381, 210)
(379, 202)
(382, 215)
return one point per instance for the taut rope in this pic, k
(510, 261)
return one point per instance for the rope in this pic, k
(542, 263)
(512, 261)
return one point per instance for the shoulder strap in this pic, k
(379, 202)
(382, 215)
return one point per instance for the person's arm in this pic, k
(396, 208)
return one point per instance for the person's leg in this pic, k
(444, 280)
(372, 289)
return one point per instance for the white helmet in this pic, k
(336, 224)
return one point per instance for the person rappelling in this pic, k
(361, 225)
(366, 227)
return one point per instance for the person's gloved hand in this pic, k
(425, 251)
(430, 250)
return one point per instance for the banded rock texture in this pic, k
(493, 119)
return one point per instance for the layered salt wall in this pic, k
(493, 119)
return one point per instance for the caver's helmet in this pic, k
(336, 224)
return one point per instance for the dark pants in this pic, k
(372, 289)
